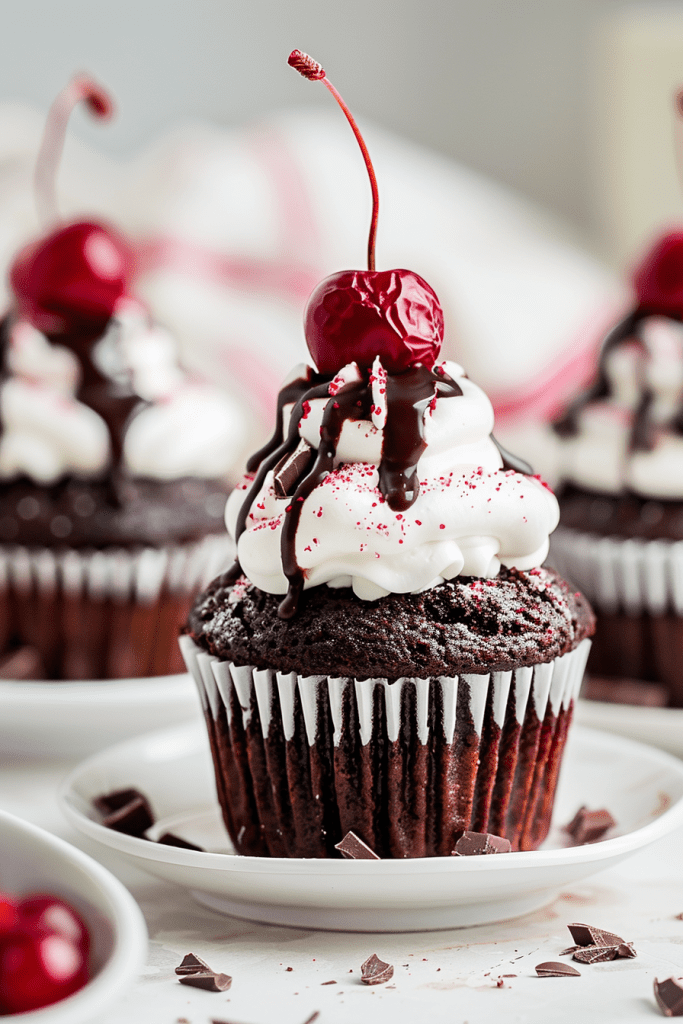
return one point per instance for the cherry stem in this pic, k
(81, 88)
(310, 69)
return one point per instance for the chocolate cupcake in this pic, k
(113, 462)
(619, 457)
(387, 657)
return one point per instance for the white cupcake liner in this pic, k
(621, 574)
(551, 685)
(120, 574)
(362, 745)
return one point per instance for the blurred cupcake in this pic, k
(387, 657)
(114, 463)
(619, 457)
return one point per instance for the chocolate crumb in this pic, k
(669, 996)
(589, 826)
(508, 975)
(587, 935)
(353, 848)
(328, 982)
(500, 983)
(679, 917)
(551, 969)
(191, 964)
(314, 1016)
(207, 980)
(168, 839)
(126, 811)
(375, 971)
(475, 844)
(289, 968)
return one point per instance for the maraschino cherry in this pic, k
(356, 315)
(69, 281)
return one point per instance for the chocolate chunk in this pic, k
(191, 964)
(589, 826)
(625, 951)
(570, 949)
(125, 810)
(375, 972)
(24, 663)
(353, 848)
(595, 954)
(168, 839)
(587, 935)
(476, 844)
(669, 996)
(207, 980)
(552, 969)
(291, 468)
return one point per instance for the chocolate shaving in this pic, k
(207, 980)
(353, 848)
(291, 468)
(191, 964)
(476, 844)
(314, 1016)
(328, 982)
(125, 810)
(589, 826)
(553, 969)
(587, 935)
(168, 839)
(375, 972)
(669, 996)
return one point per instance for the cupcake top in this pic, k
(124, 405)
(386, 483)
(624, 434)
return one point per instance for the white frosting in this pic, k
(598, 456)
(469, 517)
(189, 428)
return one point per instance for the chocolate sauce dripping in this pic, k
(270, 460)
(351, 402)
(290, 393)
(511, 461)
(568, 424)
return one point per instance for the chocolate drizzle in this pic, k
(512, 462)
(641, 437)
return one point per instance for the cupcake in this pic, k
(619, 459)
(113, 462)
(387, 656)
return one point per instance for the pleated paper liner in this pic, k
(636, 589)
(107, 614)
(407, 765)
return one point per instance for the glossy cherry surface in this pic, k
(360, 314)
(37, 970)
(40, 913)
(71, 280)
(658, 279)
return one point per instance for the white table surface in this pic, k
(444, 976)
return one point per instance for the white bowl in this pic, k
(64, 719)
(32, 860)
(662, 727)
(642, 787)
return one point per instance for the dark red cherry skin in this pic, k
(9, 914)
(658, 279)
(41, 914)
(356, 315)
(37, 970)
(71, 280)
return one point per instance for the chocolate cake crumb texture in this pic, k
(375, 971)
(463, 625)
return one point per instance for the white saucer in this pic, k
(32, 860)
(642, 787)
(662, 727)
(55, 719)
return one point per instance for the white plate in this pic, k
(662, 727)
(55, 719)
(642, 787)
(32, 860)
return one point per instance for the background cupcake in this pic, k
(113, 462)
(386, 657)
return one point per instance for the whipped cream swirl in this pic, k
(468, 516)
(179, 427)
